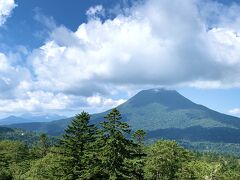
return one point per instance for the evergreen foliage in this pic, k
(77, 144)
(41, 148)
(110, 151)
(165, 158)
(117, 148)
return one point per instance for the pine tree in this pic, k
(139, 136)
(77, 143)
(139, 161)
(117, 147)
(41, 148)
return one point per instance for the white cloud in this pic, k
(97, 10)
(152, 45)
(157, 43)
(34, 101)
(235, 111)
(6, 7)
(13, 79)
(105, 102)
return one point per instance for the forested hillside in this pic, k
(27, 137)
(109, 150)
(18, 135)
(160, 110)
(166, 114)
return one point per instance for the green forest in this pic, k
(109, 150)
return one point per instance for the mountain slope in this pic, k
(160, 109)
(52, 128)
(163, 113)
(18, 135)
(4, 130)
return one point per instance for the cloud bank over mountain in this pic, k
(154, 43)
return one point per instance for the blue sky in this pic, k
(68, 56)
(23, 27)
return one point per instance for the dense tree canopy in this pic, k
(109, 150)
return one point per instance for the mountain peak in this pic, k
(11, 117)
(159, 91)
(168, 98)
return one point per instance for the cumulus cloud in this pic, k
(95, 11)
(235, 111)
(152, 45)
(13, 79)
(34, 101)
(6, 7)
(156, 43)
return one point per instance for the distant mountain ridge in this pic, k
(42, 117)
(163, 114)
(29, 117)
(13, 120)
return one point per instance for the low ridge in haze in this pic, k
(29, 117)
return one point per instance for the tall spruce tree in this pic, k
(139, 161)
(41, 148)
(117, 149)
(139, 136)
(78, 145)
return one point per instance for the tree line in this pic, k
(109, 150)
